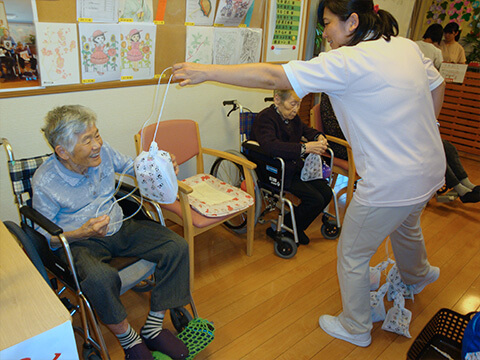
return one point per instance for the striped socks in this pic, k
(129, 339)
(153, 325)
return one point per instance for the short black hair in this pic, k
(434, 32)
(452, 27)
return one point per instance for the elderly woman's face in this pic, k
(288, 108)
(86, 153)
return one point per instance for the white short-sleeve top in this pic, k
(381, 94)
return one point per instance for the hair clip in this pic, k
(376, 8)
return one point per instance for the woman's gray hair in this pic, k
(65, 123)
(283, 94)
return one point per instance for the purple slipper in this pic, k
(138, 352)
(168, 344)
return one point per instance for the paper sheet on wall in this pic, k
(200, 12)
(99, 52)
(199, 44)
(137, 41)
(237, 45)
(232, 12)
(58, 53)
(136, 10)
(98, 10)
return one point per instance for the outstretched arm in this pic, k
(259, 75)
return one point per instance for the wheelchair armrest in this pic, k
(231, 157)
(184, 188)
(338, 141)
(42, 221)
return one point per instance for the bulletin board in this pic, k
(169, 45)
(285, 30)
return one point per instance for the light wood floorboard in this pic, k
(265, 307)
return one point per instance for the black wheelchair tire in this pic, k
(286, 248)
(330, 231)
(90, 353)
(180, 318)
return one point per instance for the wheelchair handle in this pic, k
(231, 102)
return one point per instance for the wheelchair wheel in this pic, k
(285, 247)
(232, 174)
(180, 318)
(90, 353)
(330, 231)
(145, 285)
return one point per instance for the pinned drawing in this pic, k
(200, 12)
(98, 10)
(232, 12)
(137, 10)
(199, 44)
(100, 50)
(251, 45)
(138, 50)
(58, 53)
(226, 46)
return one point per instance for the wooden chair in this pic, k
(340, 166)
(182, 138)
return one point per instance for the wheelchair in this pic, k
(136, 274)
(270, 194)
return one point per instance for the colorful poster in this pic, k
(287, 22)
(58, 52)
(199, 44)
(98, 10)
(200, 12)
(136, 10)
(232, 12)
(137, 49)
(99, 52)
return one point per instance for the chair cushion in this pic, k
(213, 198)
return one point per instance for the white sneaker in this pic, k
(432, 276)
(332, 326)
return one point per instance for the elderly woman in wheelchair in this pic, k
(279, 131)
(75, 188)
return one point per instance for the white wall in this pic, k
(121, 113)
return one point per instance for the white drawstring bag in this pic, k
(397, 285)
(314, 168)
(376, 303)
(398, 318)
(376, 273)
(156, 175)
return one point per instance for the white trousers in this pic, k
(364, 229)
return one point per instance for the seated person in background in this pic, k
(452, 51)
(74, 188)
(278, 129)
(430, 43)
(8, 42)
(331, 127)
(25, 56)
(456, 177)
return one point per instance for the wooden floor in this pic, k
(265, 307)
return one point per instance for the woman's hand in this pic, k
(317, 147)
(189, 73)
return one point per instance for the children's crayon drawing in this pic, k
(137, 47)
(137, 10)
(226, 45)
(200, 12)
(232, 12)
(199, 44)
(58, 52)
(100, 51)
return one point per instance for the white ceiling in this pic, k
(21, 8)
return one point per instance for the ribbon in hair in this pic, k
(376, 8)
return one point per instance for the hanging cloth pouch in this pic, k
(314, 168)
(156, 175)
(397, 285)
